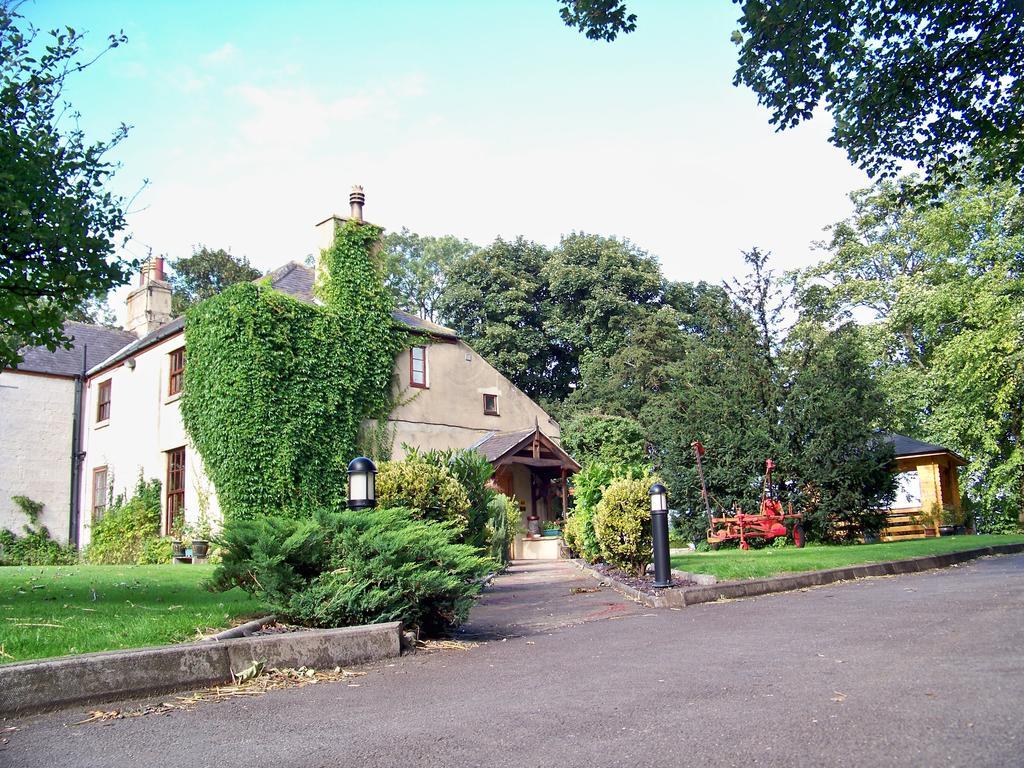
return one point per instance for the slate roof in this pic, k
(496, 445)
(293, 278)
(908, 446)
(95, 342)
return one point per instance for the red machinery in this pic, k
(768, 523)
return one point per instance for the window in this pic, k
(490, 405)
(177, 373)
(103, 401)
(175, 487)
(99, 492)
(418, 367)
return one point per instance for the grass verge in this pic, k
(58, 610)
(731, 564)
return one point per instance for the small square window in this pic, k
(490, 405)
(103, 401)
(418, 367)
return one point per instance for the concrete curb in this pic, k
(32, 686)
(680, 597)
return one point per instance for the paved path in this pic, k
(919, 670)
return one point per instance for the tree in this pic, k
(417, 267)
(942, 288)
(58, 220)
(931, 83)
(206, 273)
(498, 301)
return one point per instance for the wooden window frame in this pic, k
(176, 371)
(425, 384)
(490, 411)
(103, 398)
(99, 501)
(175, 491)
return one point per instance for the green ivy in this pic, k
(276, 389)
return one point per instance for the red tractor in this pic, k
(769, 522)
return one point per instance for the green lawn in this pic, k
(731, 564)
(58, 610)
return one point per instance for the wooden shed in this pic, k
(927, 485)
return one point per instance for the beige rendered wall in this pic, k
(144, 424)
(35, 426)
(449, 413)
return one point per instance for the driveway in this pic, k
(918, 670)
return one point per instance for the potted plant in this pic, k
(178, 536)
(201, 533)
(552, 527)
(950, 521)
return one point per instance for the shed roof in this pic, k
(91, 344)
(503, 447)
(907, 446)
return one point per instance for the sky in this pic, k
(252, 120)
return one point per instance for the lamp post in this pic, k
(659, 527)
(362, 492)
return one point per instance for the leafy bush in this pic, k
(611, 440)
(502, 526)
(35, 547)
(622, 524)
(590, 484)
(129, 531)
(155, 551)
(418, 483)
(354, 567)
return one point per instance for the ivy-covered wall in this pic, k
(275, 389)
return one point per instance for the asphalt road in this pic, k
(920, 670)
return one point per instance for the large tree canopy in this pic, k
(58, 220)
(206, 273)
(930, 82)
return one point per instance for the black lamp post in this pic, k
(362, 493)
(659, 527)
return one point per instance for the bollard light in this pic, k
(362, 492)
(659, 529)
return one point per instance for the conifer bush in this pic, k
(622, 524)
(354, 567)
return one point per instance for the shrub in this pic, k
(35, 547)
(354, 567)
(502, 526)
(622, 524)
(129, 530)
(429, 488)
(589, 485)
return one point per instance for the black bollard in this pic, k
(659, 527)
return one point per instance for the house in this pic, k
(39, 401)
(927, 485)
(447, 397)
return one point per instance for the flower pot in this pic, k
(177, 548)
(946, 530)
(200, 548)
(552, 532)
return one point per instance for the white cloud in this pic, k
(219, 55)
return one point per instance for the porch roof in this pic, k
(905, 447)
(527, 446)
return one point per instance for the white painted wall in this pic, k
(144, 424)
(35, 426)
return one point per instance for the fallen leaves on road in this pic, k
(583, 590)
(272, 679)
(445, 645)
(839, 696)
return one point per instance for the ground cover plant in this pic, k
(57, 610)
(730, 564)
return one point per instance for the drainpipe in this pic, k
(77, 456)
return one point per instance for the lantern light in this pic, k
(659, 533)
(659, 498)
(362, 492)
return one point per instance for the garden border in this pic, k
(33, 686)
(680, 597)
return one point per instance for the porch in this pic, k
(533, 469)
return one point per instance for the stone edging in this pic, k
(32, 686)
(680, 597)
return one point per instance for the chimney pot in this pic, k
(356, 199)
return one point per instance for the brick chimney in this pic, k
(149, 305)
(325, 229)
